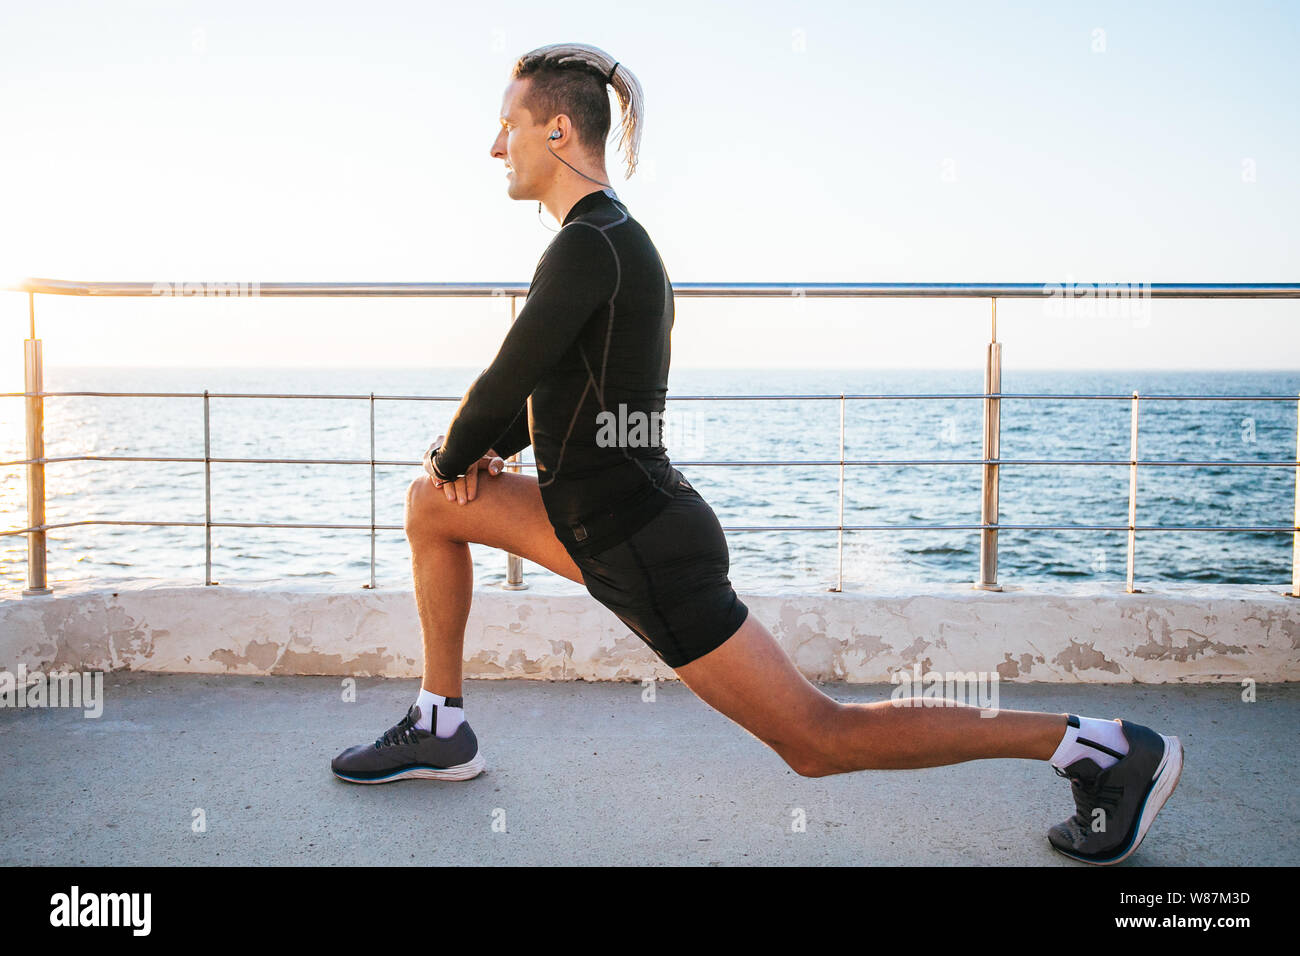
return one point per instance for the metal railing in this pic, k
(991, 398)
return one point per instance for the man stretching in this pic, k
(591, 347)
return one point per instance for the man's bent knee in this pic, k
(809, 763)
(813, 753)
(422, 505)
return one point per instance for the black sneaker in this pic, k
(405, 751)
(1115, 806)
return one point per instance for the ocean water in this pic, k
(731, 430)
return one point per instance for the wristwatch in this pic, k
(430, 455)
(433, 452)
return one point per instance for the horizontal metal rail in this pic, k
(1155, 462)
(962, 290)
(773, 396)
(775, 527)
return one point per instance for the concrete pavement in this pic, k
(589, 773)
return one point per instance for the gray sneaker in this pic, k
(1116, 806)
(405, 751)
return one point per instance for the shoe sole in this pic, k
(464, 771)
(1163, 783)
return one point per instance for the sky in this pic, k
(793, 142)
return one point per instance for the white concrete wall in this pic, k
(1067, 633)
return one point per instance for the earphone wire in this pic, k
(570, 165)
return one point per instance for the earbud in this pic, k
(556, 134)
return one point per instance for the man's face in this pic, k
(521, 143)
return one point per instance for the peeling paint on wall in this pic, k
(1068, 634)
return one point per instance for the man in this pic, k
(591, 343)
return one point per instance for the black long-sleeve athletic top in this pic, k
(583, 375)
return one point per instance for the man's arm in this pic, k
(516, 437)
(576, 275)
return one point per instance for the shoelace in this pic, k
(403, 732)
(1089, 796)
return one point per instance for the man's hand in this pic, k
(463, 489)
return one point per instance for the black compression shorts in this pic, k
(668, 581)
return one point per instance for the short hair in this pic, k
(570, 78)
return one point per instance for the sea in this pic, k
(697, 432)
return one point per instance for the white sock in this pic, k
(1086, 737)
(450, 712)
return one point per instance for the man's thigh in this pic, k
(506, 512)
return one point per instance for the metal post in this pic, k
(839, 582)
(514, 563)
(1295, 537)
(372, 493)
(1132, 493)
(992, 451)
(34, 380)
(207, 493)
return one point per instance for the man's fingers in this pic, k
(464, 490)
(461, 486)
(446, 487)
